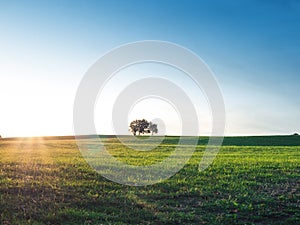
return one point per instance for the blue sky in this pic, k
(253, 48)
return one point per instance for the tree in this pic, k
(142, 127)
(138, 126)
(153, 128)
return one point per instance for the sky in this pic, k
(252, 47)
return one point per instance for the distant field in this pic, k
(253, 180)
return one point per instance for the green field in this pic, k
(253, 180)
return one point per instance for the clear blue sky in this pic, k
(253, 47)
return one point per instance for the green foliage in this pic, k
(44, 181)
(142, 127)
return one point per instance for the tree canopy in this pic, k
(142, 127)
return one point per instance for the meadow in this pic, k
(253, 180)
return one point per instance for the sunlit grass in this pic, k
(48, 182)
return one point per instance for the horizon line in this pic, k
(114, 135)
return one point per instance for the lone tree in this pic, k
(142, 127)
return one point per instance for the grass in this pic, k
(253, 180)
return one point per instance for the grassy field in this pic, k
(253, 180)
